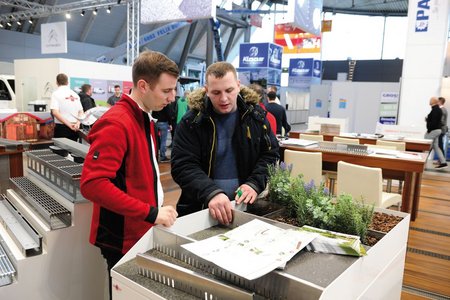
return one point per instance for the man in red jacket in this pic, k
(120, 174)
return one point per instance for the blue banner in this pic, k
(300, 72)
(317, 69)
(275, 54)
(253, 55)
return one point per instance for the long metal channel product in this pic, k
(275, 285)
(14, 145)
(71, 146)
(54, 213)
(7, 270)
(186, 280)
(23, 234)
(61, 173)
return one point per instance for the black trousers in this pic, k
(111, 257)
(62, 131)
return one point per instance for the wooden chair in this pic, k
(338, 139)
(306, 163)
(311, 137)
(365, 182)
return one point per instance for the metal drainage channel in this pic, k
(54, 213)
(62, 173)
(7, 269)
(27, 239)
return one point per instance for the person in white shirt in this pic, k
(65, 105)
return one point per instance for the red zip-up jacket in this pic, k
(119, 177)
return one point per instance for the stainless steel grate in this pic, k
(64, 163)
(61, 173)
(7, 270)
(54, 213)
(74, 171)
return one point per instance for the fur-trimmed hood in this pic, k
(196, 99)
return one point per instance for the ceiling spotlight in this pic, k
(30, 21)
(95, 12)
(108, 10)
(82, 13)
(9, 24)
(68, 16)
(19, 22)
(1, 25)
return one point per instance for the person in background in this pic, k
(116, 97)
(86, 97)
(271, 118)
(279, 112)
(222, 146)
(65, 104)
(444, 127)
(274, 89)
(120, 173)
(434, 125)
(163, 124)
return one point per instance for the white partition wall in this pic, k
(359, 102)
(319, 100)
(36, 78)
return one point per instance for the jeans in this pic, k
(163, 128)
(434, 135)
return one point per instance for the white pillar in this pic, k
(428, 27)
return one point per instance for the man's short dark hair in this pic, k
(272, 95)
(85, 87)
(150, 65)
(62, 79)
(117, 86)
(442, 100)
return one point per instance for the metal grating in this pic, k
(61, 173)
(56, 215)
(7, 270)
(74, 171)
(343, 148)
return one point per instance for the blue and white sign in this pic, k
(275, 54)
(422, 15)
(300, 72)
(317, 69)
(253, 55)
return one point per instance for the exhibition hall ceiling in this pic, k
(110, 28)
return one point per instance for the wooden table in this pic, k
(408, 170)
(411, 145)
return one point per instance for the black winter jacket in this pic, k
(434, 118)
(194, 149)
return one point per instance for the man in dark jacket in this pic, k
(222, 146)
(86, 97)
(434, 125)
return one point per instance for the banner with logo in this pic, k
(317, 69)
(275, 54)
(253, 55)
(300, 72)
(54, 38)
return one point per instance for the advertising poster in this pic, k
(295, 40)
(317, 69)
(77, 82)
(318, 103)
(342, 103)
(300, 72)
(254, 75)
(99, 88)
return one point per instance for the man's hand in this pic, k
(75, 126)
(220, 209)
(166, 216)
(245, 194)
